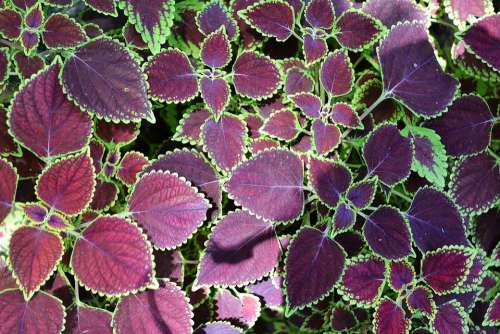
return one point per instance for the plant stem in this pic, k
(401, 195)
(490, 151)
(446, 24)
(381, 98)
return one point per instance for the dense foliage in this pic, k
(249, 166)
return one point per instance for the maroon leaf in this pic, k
(216, 50)
(88, 320)
(107, 7)
(218, 327)
(329, 180)
(259, 145)
(298, 81)
(420, 299)
(116, 133)
(483, 39)
(344, 114)
(342, 319)
(29, 40)
(326, 136)
(130, 166)
(44, 120)
(6, 279)
(8, 184)
(28, 65)
(60, 31)
(57, 222)
(215, 92)
(320, 14)
(7, 143)
(164, 310)
(282, 124)
(450, 318)
(336, 74)
(10, 23)
(401, 273)
(59, 3)
(310, 104)
(390, 318)
(132, 37)
(356, 30)
(112, 257)
(275, 19)
(189, 129)
(214, 16)
(361, 194)
(168, 207)
(314, 48)
(41, 314)
(312, 256)
(391, 12)
(105, 195)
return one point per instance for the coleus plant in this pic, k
(249, 166)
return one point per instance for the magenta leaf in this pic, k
(10, 23)
(60, 31)
(401, 273)
(35, 212)
(94, 78)
(363, 280)
(116, 134)
(218, 327)
(310, 104)
(241, 248)
(446, 268)
(329, 180)
(274, 18)
(390, 317)
(270, 185)
(345, 115)
(107, 7)
(28, 65)
(450, 318)
(164, 310)
(195, 169)
(88, 320)
(213, 17)
(492, 317)
(189, 129)
(312, 256)
(282, 124)
(34, 254)
(361, 194)
(420, 299)
(315, 48)
(483, 40)
(130, 166)
(388, 154)
(255, 76)
(475, 183)
(8, 185)
(320, 14)
(259, 145)
(411, 72)
(167, 207)
(245, 307)
(105, 195)
(41, 314)
(60, 126)
(270, 289)
(464, 11)
(387, 233)
(216, 50)
(391, 12)
(171, 77)
(224, 140)
(357, 30)
(152, 18)
(112, 257)
(298, 81)
(68, 184)
(466, 127)
(336, 74)
(216, 94)
(326, 137)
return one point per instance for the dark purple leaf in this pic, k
(68, 184)
(216, 93)
(298, 81)
(35, 212)
(401, 274)
(336, 74)
(341, 6)
(388, 154)
(117, 134)
(483, 39)
(44, 120)
(214, 16)
(96, 150)
(218, 327)
(107, 7)
(420, 299)
(105, 195)
(164, 310)
(4, 66)
(450, 318)
(304, 145)
(492, 317)
(8, 185)
(387, 233)
(41, 314)
(475, 183)
(344, 114)
(169, 264)
(342, 319)
(88, 320)
(270, 289)
(326, 137)
(60, 31)
(241, 248)
(224, 140)
(24, 4)
(34, 18)
(412, 73)
(270, 185)
(216, 50)
(167, 207)
(29, 40)
(315, 48)
(363, 279)
(485, 231)
(274, 18)
(466, 127)
(10, 23)
(282, 124)
(390, 318)
(132, 37)
(391, 12)
(189, 129)
(357, 30)
(130, 166)
(112, 257)
(254, 75)
(329, 180)
(351, 241)
(361, 194)
(103, 78)
(446, 268)
(28, 65)
(344, 217)
(320, 14)
(7, 143)
(312, 257)
(310, 104)
(245, 307)
(464, 11)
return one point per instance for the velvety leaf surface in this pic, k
(274, 18)
(342, 319)
(224, 140)
(312, 257)
(435, 221)
(28, 65)
(272, 177)
(59, 3)
(255, 76)
(483, 38)
(116, 133)
(104, 79)
(329, 180)
(391, 12)
(361, 194)
(389, 318)
(24, 4)
(387, 233)
(60, 31)
(401, 273)
(282, 124)
(320, 14)
(344, 217)
(449, 319)
(41, 314)
(363, 279)
(310, 104)
(131, 164)
(168, 208)
(44, 120)
(112, 257)
(216, 93)
(314, 48)
(356, 30)
(336, 74)
(68, 184)
(344, 114)
(412, 73)
(214, 16)
(326, 136)
(34, 18)
(388, 154)
(10, 23)
(241, 248)
(164, 310)
(297, 81)
(103, 6)
(421, 299)
(8, 184)
(189, 128)
(216, 50)
(105, 195)
(466, 127)
(88, 320)
(34, 254)
(475, 184)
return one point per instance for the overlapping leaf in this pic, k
(390, 317)
(8, 185)
(450, 317)
(483, 39)
(336, 74)
(329, 180)
(273, 18)
(282, 124)
(357, 30)
(60, 31)
(326, 137)
(401, 273)
(213, 17)
(88, 320)
(391, 12)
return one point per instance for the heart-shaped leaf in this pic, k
(282, 124)
(28, 65)
(420, 299)
(216, 93)
(189, 129)
(361, 194)
(216, 50)
(10, 23)
(8, 185)
(357, 30)
(326, 137)
(329, 179)
(336, 74)
(132, 163)
(213, 17)
(450, 318)
(310, 104)
(344, 217)
(344, 114)
(401, 273)
(274, 18)
(88, 320)
(483, 40)
(342, 319)
(390, 317)
(116, 134)
(314, 48)
(320, 14)
(105, 195)
(60, 31)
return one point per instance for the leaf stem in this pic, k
(491, 152)
(381, 98)
(444, 23)
(401, 195)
